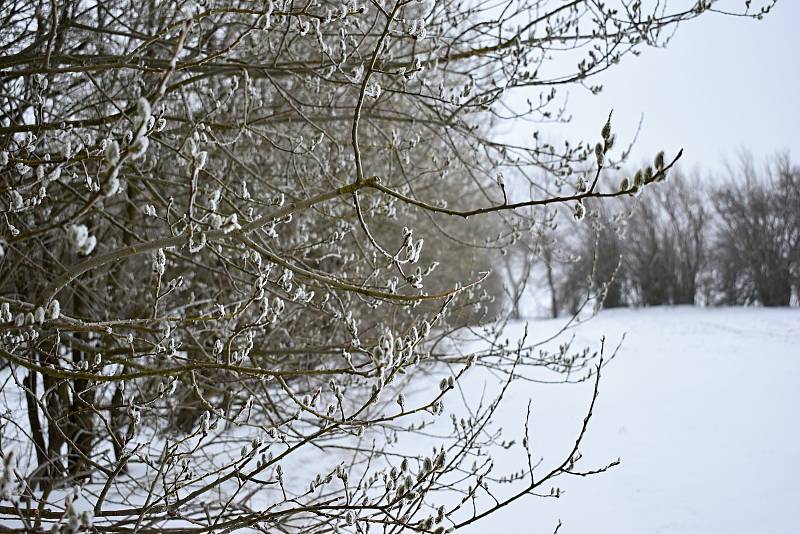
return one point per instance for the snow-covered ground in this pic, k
(702, 407)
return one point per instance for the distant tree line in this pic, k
(719, 241)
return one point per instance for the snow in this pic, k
(701, 406)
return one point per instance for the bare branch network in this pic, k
(237, 235)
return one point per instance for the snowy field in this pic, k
(701, 405)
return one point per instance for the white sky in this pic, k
(723, 83)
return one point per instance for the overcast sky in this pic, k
(723, 83)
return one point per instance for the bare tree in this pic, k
(596, 271)
(236, 232)
(530, 265)
(665, 245)
(758, 237)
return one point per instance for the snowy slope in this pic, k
(702, 407)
